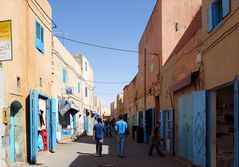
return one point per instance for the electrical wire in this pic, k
(101, 46)
(44, 13)
(98, 46)
(110, 82)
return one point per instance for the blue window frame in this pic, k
(78, 87)
(39, 36)
(86, 92)
(64, 75)
(216, 12)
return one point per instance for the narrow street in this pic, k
(83, 154)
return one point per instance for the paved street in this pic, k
(82, 155)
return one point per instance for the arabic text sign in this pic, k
(5, 40)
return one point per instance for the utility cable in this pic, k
(101, 46)
(98, 46)
(110, 82)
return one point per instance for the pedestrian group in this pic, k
(100, 131)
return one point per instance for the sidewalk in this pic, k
(82, 154)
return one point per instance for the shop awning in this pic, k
(95, 114)
(67, 106)
(87, 112)
(185, 81)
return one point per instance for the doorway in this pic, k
(225, 126)
(16, 132)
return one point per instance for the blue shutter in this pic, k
(64, 75)
(42, 39)
(39, 37)
(52, 132)
(78, 87)
(209, 19)
(199, 127)
(236, 122)
(33, 129)
(226, 5)
(216, 13)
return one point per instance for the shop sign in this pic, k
(5, 40)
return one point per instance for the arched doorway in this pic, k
(15, 131)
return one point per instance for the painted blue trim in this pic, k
(236, 122)
(226, 7)
(49, 123)
(39, 38)
(54, 108)
(209, 19)
(12, 137)
(33, 130)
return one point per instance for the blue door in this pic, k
(52, 132)
(153, 119)
(185, 144)
(33, 130)
(74, 121)
(12, 136)
(199, 127)
(144, 126)
(171, 130)
(163, 129)
(236, 122)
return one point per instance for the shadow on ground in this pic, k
(136, 156)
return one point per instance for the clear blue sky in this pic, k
(113, 23)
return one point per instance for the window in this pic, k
(39, 37)
(78, 87)
(64, 75)
(86, 92)
(216, 12)
(86, 66)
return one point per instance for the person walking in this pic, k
(98, 136)
(121, 130)
(155, 142)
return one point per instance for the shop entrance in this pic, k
(16, 131)
(225, 126)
